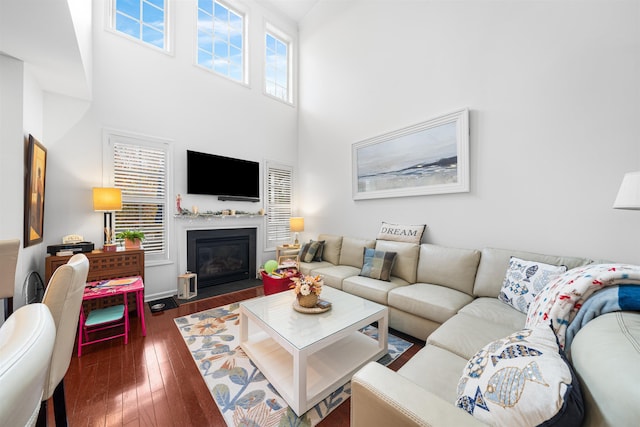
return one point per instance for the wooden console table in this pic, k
(104, 265)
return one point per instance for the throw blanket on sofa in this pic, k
(559, 302)
(613, 298)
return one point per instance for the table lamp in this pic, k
(629, 192)
(296, 224)
(107, 200)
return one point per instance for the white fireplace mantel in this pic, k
(184, 223)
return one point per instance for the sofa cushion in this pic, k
(464, 334)
(494, 263)
(436, 370)
(351, 252)
(406, 261)
(377, 264)
(371, 289)
(495, 311)
(433, 302)
(334, 274)
(606, 355)
(401, 233)
(524, 280)
(522, 379)
(309, 267)
(308, 251)
(451, 267)
(331, 249)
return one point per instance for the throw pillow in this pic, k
(401, 233)
(318, 256)
(377, 264)
(522, 380)
(308, 251)
(524, 280)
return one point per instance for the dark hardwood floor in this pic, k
(153, 381)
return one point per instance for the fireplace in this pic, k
(221, 256)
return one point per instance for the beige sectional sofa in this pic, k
(449, 298)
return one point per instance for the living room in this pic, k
(551, 91)
(551, 88)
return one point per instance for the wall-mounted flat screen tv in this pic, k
(225, 177)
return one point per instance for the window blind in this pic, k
(279, 203)
(141, 172)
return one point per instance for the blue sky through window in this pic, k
(142, 19)
(221, 39)
(277, 68)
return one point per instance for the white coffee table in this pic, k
(306, 357)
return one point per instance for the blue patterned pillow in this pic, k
(377, 264)
(524, 280)
(522, 380)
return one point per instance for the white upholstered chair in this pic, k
(63, 296)
(26, 344)
(8, 260)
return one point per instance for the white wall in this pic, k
(554, 96)
(20, 115)
(139, 90)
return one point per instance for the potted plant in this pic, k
(132, 238)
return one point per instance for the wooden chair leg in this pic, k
(59, 406)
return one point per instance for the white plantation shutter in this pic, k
(279, 203)
(140, 170)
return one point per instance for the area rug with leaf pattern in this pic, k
(243, 395)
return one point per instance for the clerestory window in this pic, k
(144, 20)
(221, 39)
(277, 66)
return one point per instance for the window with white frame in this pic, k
(144, 20)
(221, 39)
(277, 65)
(279, 183)
(139, 167)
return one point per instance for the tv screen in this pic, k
(235, 179)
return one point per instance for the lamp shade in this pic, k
(107, 199)
(629, 192)
(296, 223)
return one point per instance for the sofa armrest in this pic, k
(380, 396)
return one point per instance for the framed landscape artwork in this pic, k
(431, 157)
(36, 169)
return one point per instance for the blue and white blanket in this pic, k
(562, 299)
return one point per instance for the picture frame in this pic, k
(34, 191)
(431, 157)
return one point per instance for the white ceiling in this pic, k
(294, 9)
(42, 35)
